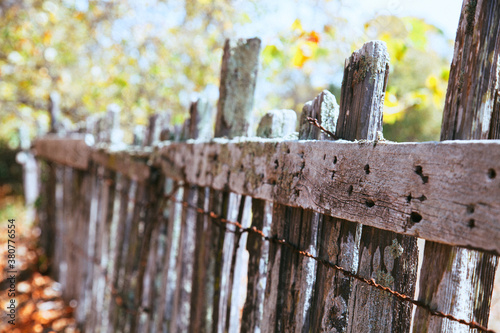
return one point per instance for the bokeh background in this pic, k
(150, 56)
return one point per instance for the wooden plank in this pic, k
(234, 113)
(82, 223)
(70, 151)
(239, 68)
(199, 125)
(337, 240)
(385, 256)
(417, 188)
(130, 162)
(120, 240)
(297, 273)
(472, 111)
(275, 123)
(448, 164)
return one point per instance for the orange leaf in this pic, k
(313, 36)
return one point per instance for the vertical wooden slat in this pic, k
(79, 253)
(116, 255)
(48, 220)
(199, 127)
(153, 225)
(234, 117)
(472, 111)
(389, 258)
(90, 253)
(168, 247)
(238, 78)
(337, 241)
(274, 124)
(237, 87)
(297, 273)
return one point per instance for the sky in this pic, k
(444, 14)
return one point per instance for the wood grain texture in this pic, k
(72, 151)
(128, 162)
(417, 188)
(239, 68)
(471, 111)
(234, 113)
(275, 123)
(197, 126)
(387, 257)
(363, 91)
(298, 274)
(426, 179)
(473, 89)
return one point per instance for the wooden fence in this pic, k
(279, 233)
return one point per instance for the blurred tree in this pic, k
(153, 56)
(419, 76)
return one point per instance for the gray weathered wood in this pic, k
(238, 78)
(472, 111)
(73, 152)
(363, 91)
(444, 167)
(275, 123)
(239, 68)
(130, 162)
(335, 240)
(433, 173)
(120, 240)
(297, 273)
(200, 124)
(387, 257)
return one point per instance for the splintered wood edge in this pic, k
(447, 192)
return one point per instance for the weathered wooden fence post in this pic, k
(389, 258)
(168, 244)
(198, 126)
(338, 240)
(275, 124)
(238, 78)
(472, 111)
(291, 277)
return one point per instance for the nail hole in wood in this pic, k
(419, 171)
(369, 203)
(492, 173)
(471, 223)
(415, 217)
(349, 190)
(367, 169)
(324, 157)
(470, 209)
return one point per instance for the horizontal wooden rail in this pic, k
(447, 192)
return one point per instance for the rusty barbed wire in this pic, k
(275, 239)
(315, 123)
(119, 301)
